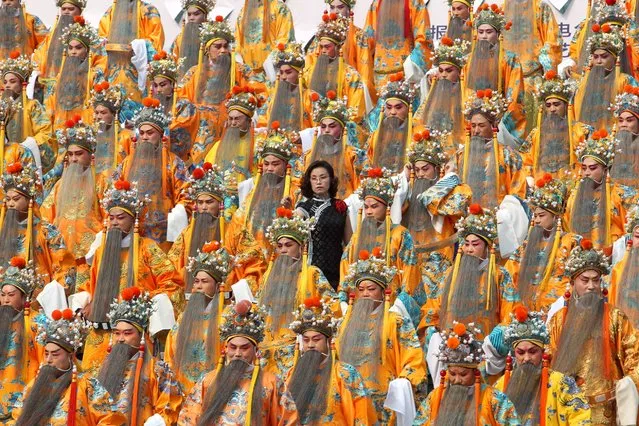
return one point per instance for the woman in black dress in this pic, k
(332, 229)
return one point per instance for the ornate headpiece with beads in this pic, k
(17, 64)
(398, 88)
(64, 329)
(489, 103)
(480, 222)
(599, 146)
(218, 29)
(153, 115)
(243, 320)
(632, 219)
(124, 195)
(20, 274)
(549, 194)
(333, 28)
(606, 37)
(291, 54)
(315, 315)
(83, 32)
(205, 6)
(492, 15)
(21, 178)
(468, 3)
(611, 12)
(554, 87)
(331, 107)
(288, 225)
(349, 3)
(207, 180)
(278, 142)
(369, 266)
(164, 66)
(584, 257)
(134, 307)
(459, 346)
(379, 185)
(427, 146)
(79, 3)
(76, 132)
(106, 95)
(244, 100)
(451, 52)
(529, 326)
(628, 100)
(212, 259)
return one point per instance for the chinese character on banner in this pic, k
(564, 30)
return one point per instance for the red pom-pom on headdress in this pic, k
(488, 93)
(547, 177)
(127, 294)
(333, 16)
(56, 315)
(122, 185)
(521, 313)
(481, 94)
(275, 125)
(452, 342)
(219, 18)
(325, 17)
(315, 96)
(459, 329)
(198, 174)
(242, 307)
(18, 262)
(417, 137)
(551, 75)
(15, 54)
(284, 212)
(67, 314)
(596, 28)
(475, 209)
(207, 166)
(611, 2)
(331, 94)
(69, 124)
(447, 41)
(281, 47)
(79, 20)
(586, 244)
(364, 255)
(375, 173)
(608, 250)
(377, 252)
(147, 102)
(313, 302)
(606, 28)
(14, 168)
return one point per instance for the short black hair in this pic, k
(307, 189)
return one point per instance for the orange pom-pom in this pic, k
(67, 314)
(219, 18)
(333, 16)
(15, 54)
(475, 209)
(56, 315)
(603, 133)
(400, 76)
(127, 294)
(459, 329)
(595, 135)
(14, 168)
(275, 125)
(208, 248)
(469, 23)
(364, 255)
(417, 137)
(105, 85)
(69, 124)
(198, 174)
(596, 28)
(325, 17)
(586, 244)
(315, 96)
(122, 185)
(452, 342)
(521, 313)
(281, 47)
(284, 212)
(136, 292)
(508, 25)
(547, 177)
(236, 90)
(331, 94)
(606, 28)
(207, 166)
(551, 75)
(447, 41)
(375, 173)
(313, 302)
(481, 94)
(628, 88)
(147, 102)
(611, 2)
(79, 20)
(18, 262)
(426, 134)
(494, 7)
(488, 93)
(377, 252)
(77, 118)
(242, 307)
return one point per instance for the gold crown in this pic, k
(217, 29)
(459, 345)
(378, 184)
(584, 257)
(480, 222)
(76, 132)
(64, 329)
(492, 15)
(451, 52)
(334, 28)
(488, 103)
(212, 259)
(106, 95)
(134, 307)
(526, 325)
(278, 142)
(369, 266)
(22, 178)
(330, 106)
(600, 146)
(290, 54)
(315, 315)
(606, 37)
(549, 194)
(243, 320)
(427, 146)
(17, 64)
(205, 6)
(554, 87)
(163, 65)
(288, 225)
(81, 31)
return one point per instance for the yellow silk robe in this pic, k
(348, 402)
(535, 166)
(196, 370)
(404, 359)
(36, 32)
(211, 118)
(249, 260)
(419, 47)
(565, 404)
(156, 275)
(494, 409)
(174, 181)
(149, 27)
(402, 256)
(184, 128)
(36, 124)
(349, 179)
(16, 373)
(624, 348)
(548, 291)
(508, 299)
(617, 217)
(88, 413)
(250, 41)
(278, 407)
(278, 347)
(160, 392)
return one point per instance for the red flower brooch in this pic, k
(340, 206)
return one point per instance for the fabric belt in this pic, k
(601, 398)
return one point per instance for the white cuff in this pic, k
(155, 420)
(495, 363)
(565, 63)
(140, 61)
(177, 221)
(627, 402)
(399, 398)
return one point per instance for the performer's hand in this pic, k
(86, 311)
(568, 72)
(450, 167)
(287, 202)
